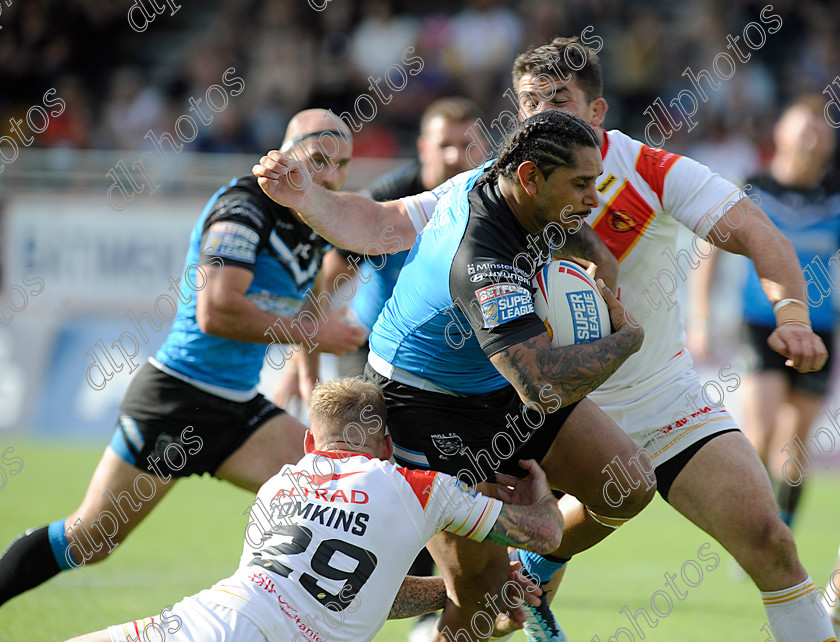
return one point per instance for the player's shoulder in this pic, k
(420, 483)
(637, 160)
(244, 202)
(647, 161)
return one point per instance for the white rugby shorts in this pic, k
(670, 414)
(200, 621)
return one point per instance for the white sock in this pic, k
(796, 614)
(831, 604)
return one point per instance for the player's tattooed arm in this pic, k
(585, 244)
(570, 371)
(535, 528)
(530, 517)
(418, 596)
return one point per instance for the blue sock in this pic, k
(539, 567)
(59, 545)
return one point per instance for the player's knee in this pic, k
(638, 498)
(774, 543)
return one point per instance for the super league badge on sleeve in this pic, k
(503, 302)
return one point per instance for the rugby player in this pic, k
(466, 366)
(441, 152)
(194, 408)
(704, 467)
(319, 560)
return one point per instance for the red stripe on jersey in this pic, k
(541, 284)
(623, 221)
(480, 519)
(605, 146)
(565, 270)
(421, 482)
(653, 166)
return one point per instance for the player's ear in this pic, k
(597, 112)
(529, 176)
(309, 443)
(387, 447)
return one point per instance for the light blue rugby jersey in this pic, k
(810, 220)
(459, 297)
(241, 227)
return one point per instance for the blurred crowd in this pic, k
(119, 83)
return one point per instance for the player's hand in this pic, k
(285, 180)
(337, 336)
(533, 489)
(529, 587)
(804, 350)
(517, 587)
(620, 316)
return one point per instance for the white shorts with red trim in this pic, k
(671, 413)
(190, 620)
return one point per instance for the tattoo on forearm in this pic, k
(417, 596)
(523, 528)
(572, 371)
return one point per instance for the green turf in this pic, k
(195, 536)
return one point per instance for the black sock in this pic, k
(788, 498)
(26, 563)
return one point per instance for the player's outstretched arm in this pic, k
(574, 371)
(420, 595)
(530, 518)
(347, 220)
(746, 230)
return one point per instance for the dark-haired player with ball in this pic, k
(704, 467)
(467, 367)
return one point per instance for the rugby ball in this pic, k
(570, 305)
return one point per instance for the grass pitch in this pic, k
(195, 537)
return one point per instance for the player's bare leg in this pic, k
(583, 448)
(119, 497)
(805, 407)
(471, 571)
(279, 441)
(725, 490)
(576, 462)
(764, 394)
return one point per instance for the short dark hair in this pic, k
(562, 58)
(548, 139)
(455, 109)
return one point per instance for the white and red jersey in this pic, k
(331, 539)
(644, 195)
